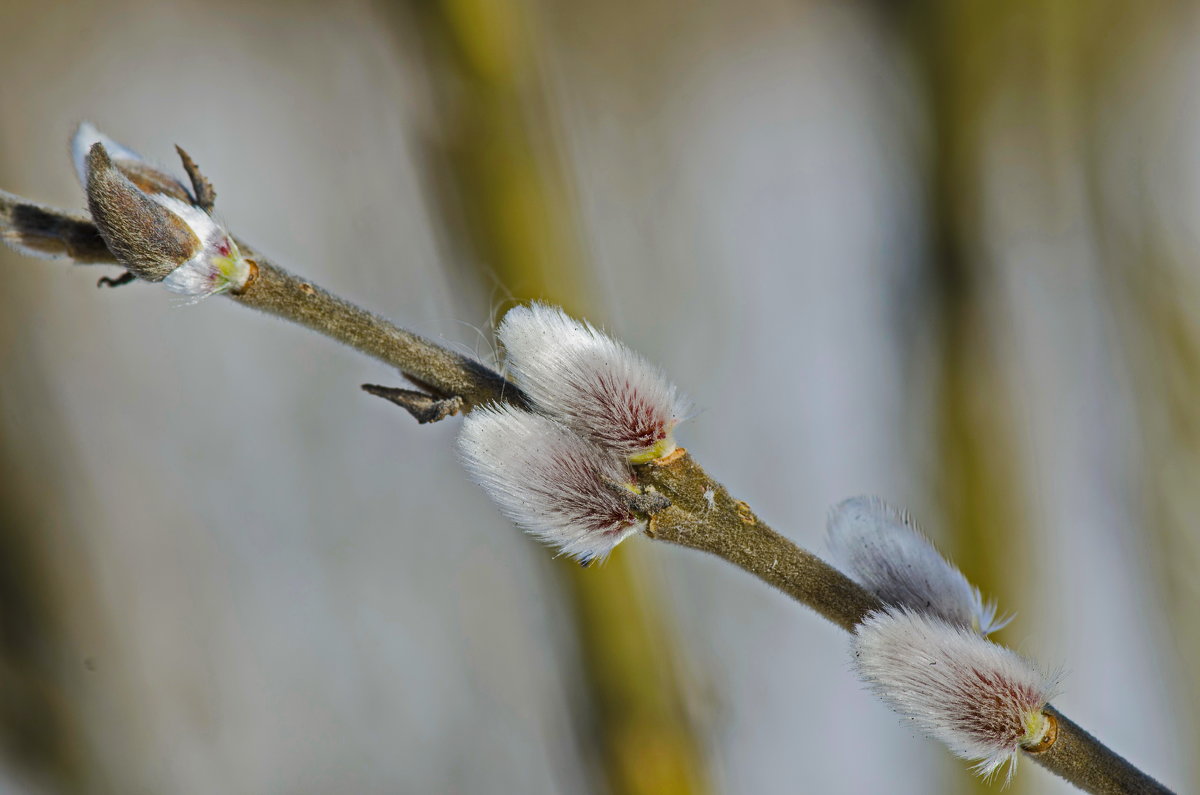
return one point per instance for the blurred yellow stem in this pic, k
(512, 210)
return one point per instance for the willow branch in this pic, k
(1087, 763)
(445, 373)
(48, 232)
(702, 515)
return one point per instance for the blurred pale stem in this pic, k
(504, 199)
(640, 732)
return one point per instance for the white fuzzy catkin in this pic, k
(590, 382)
(982, 700)
(81, 143)
(217, 266)
(882, 550)
(554, 484)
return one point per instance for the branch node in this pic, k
(1048, 738)
(745, 515)
(646, 503)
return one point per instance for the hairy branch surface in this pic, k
(701, 514)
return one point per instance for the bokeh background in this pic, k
(940, 251)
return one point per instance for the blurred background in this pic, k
(939, 251)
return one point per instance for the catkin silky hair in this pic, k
(881, 549)
(559, 487)
(590, 382)
(985, 702)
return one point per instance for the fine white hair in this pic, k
(81, 143)
(982, 700)
(590, 382)
(554, 484)
(881, 549)
(217, 265)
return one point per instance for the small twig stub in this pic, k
(423, 407)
